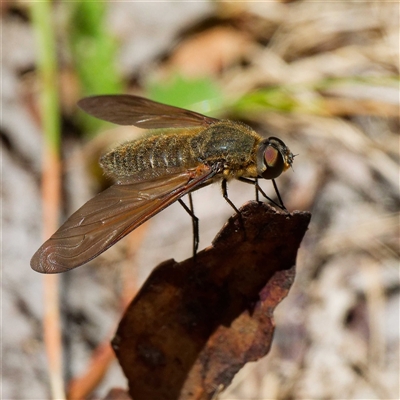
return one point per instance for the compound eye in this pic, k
(274, 163)
(271, 156)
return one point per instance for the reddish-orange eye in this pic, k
(271, 156)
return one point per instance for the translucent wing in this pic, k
(141, 112)
(111, 215)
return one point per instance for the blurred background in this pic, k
(323, 77)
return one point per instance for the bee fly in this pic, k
(186, 151)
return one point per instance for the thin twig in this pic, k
(80, 388)
(47, 70)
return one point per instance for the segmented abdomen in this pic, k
(150, 153)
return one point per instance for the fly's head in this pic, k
(273, 158)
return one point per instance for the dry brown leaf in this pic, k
(194, 324)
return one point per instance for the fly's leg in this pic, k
(195, 223)
(278, 194)
(259, 190)
(225, 195)
(195, 226)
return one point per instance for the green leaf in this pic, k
(201, 94)
(94, 53)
